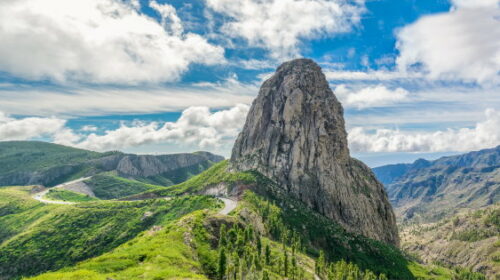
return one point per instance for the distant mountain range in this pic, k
(41, 163)
(430, 190)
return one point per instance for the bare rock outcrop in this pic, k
(295, 135)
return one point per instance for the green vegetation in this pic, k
(473, 235)
(110, 186)
(160, 253)
(430, 272)
(65, 195)
(315, 231)
(239, 253)
(30, 156)
(18, 211)
(435, 272)
(215, 174)
(318, 233)
(37, 237)
(344, 270)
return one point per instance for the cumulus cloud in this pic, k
(197, 126)
(462, 44)
(375, 96)
(28, 128)
(279, 25)
(484, 134)
(97, 41)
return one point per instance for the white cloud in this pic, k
(375, 96)
(279, 25)
(97, 41)
(475, 3)
(27, 128)
(197, 126)
(484, 134)
(371, 75)
(462, 44)
(88, 128)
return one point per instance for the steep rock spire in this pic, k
(295, 135)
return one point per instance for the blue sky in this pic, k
(416, 78)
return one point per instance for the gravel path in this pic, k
(229, 205)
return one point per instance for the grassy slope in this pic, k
(18, 211)
(110, 186)
(37, 237)
(152, 255)
(215, 174)
(65, 195)
(29, 156)
(32, 155)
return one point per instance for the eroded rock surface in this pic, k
(295, 135)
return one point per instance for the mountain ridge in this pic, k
(434, 189)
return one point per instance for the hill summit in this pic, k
(295, 135)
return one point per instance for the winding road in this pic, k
(229, 204)
(39, 196)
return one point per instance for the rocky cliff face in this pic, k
(295, 135)
(149, 165)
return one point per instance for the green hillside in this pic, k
(18, 156)
(37, 237)
(110, 186)
(69, 196)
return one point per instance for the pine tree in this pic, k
(221, 271)
(222, 236)
(267, 254)
(294, 267)
(320, 263)
(265, 275)
(285, 263)
(259, 245)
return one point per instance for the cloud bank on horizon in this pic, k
(102, 74)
